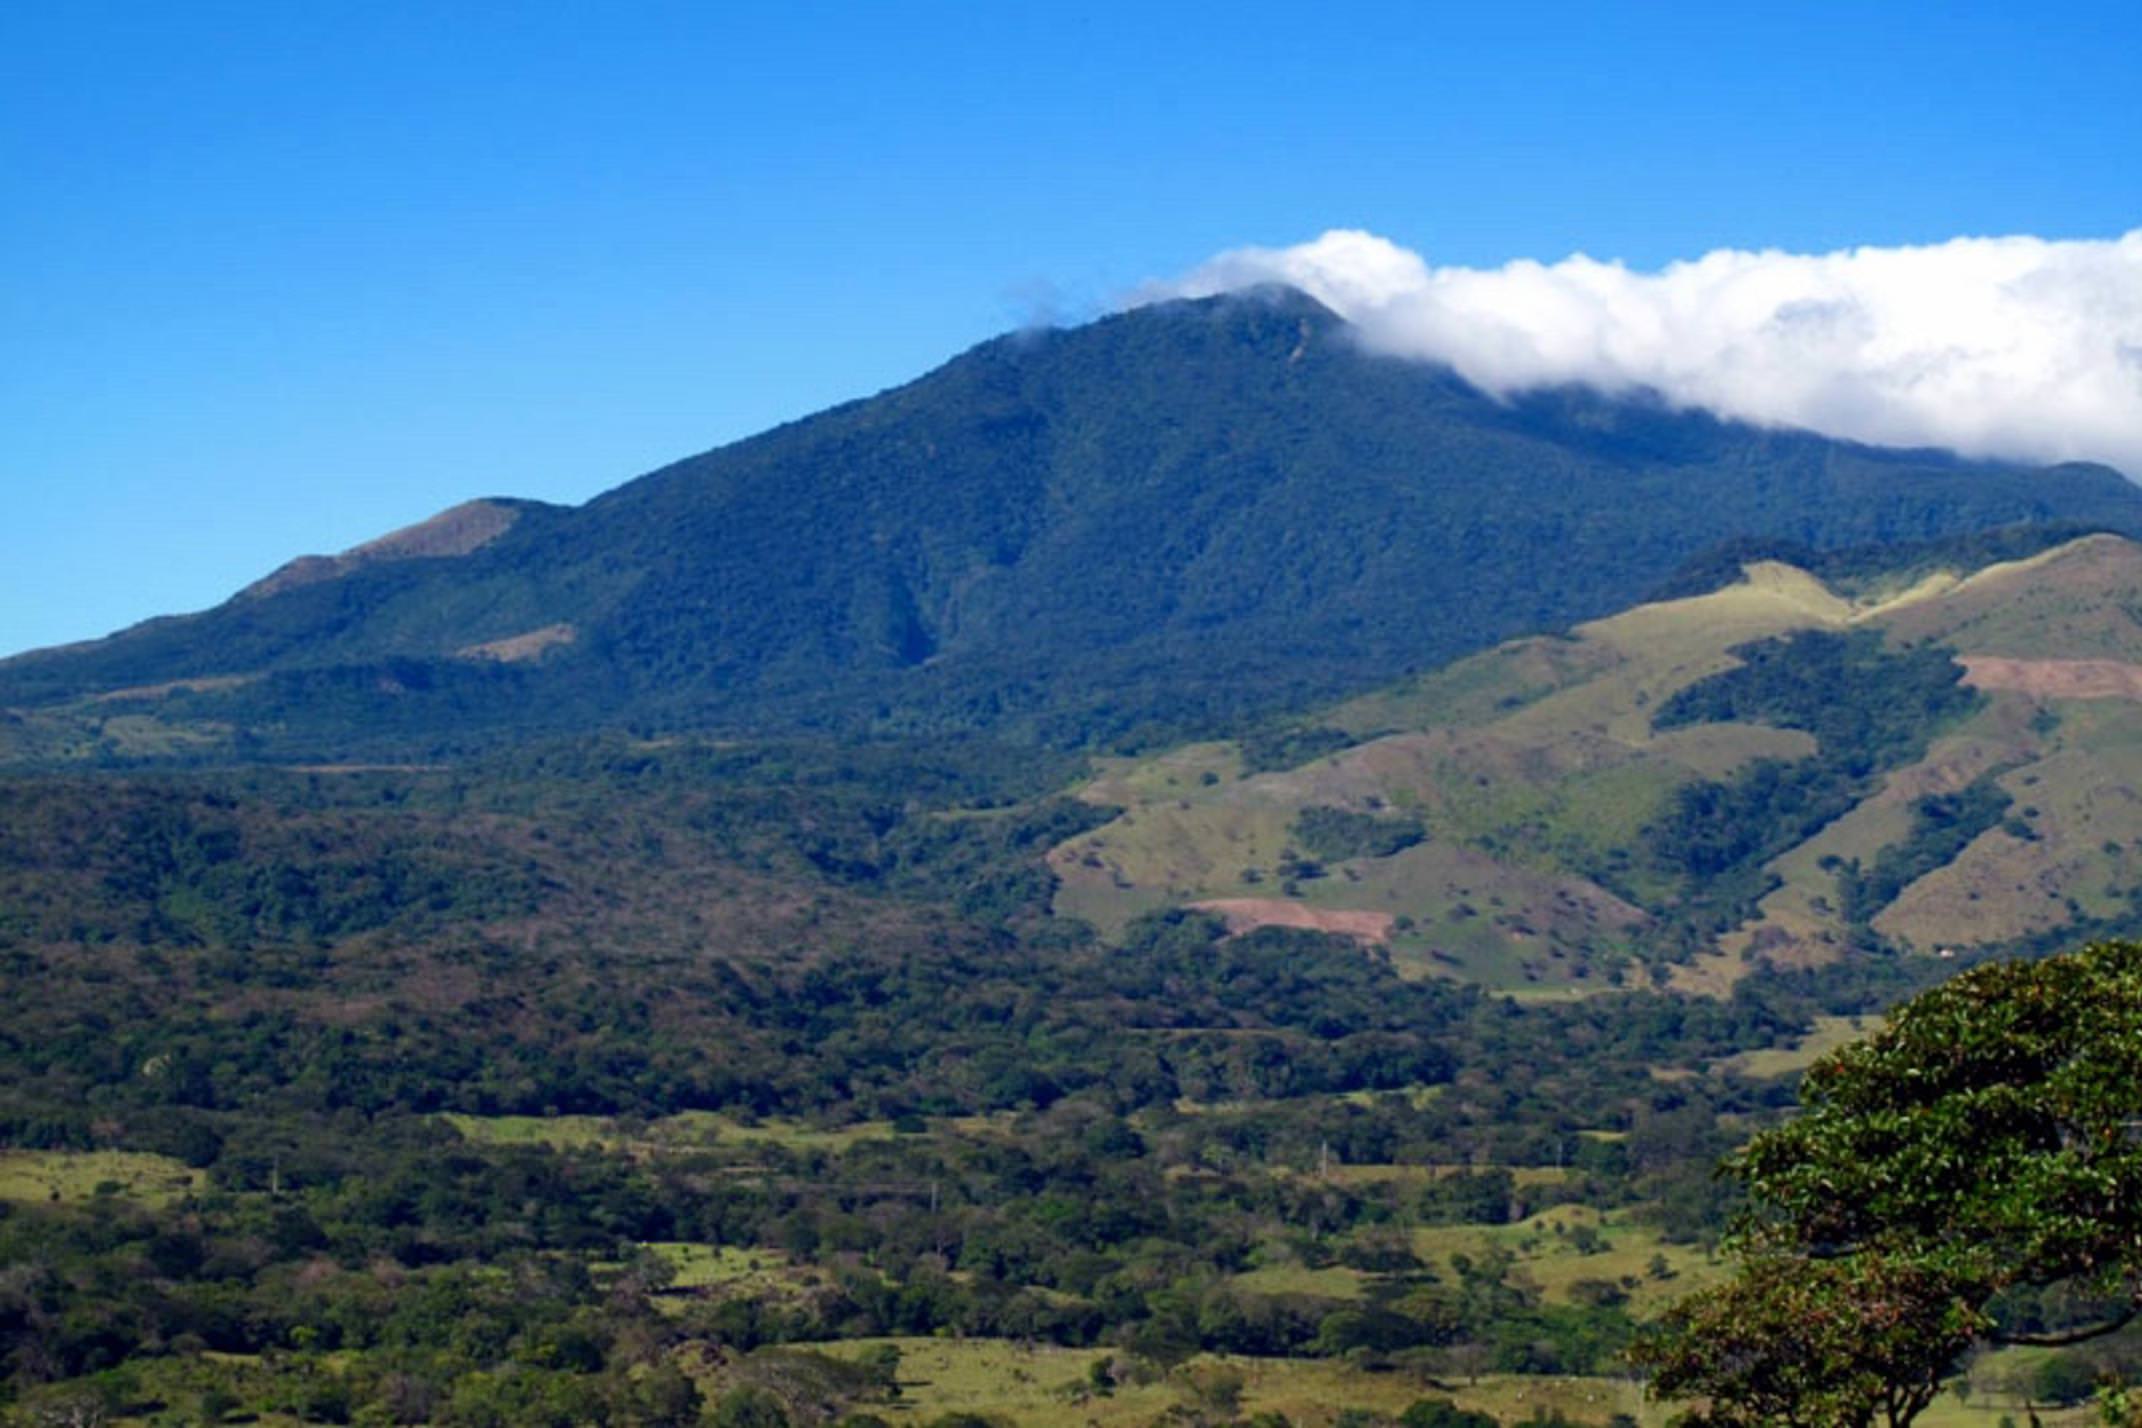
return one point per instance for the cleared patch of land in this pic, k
(2055, 678)
(1527, 769)
(43, 1176)
(517, 649)
(1245, 914)
(687, 1130)
(2073, 602)
(1828, 1034)
(1047, 1387)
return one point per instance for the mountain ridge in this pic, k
(1174, 518)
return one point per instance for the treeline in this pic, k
(1869, 708)
(1942, 826)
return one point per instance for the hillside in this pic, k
(1930, 760)
(1173, 520)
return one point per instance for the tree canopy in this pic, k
(1982, 1145)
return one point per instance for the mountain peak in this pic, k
(458, 530)
(1174, 518)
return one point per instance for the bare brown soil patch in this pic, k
(2055, 678)
(208, 684)
(517, 649)
(1247, 914)
(460, 530)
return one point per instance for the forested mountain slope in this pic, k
(1171, 519)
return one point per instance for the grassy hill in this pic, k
(1562, 800)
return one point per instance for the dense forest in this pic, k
(441, 1096)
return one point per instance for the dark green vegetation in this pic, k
(1183, 517)
(281, 979)
(1341, 833)
(1969, 1174)
(830, 1032)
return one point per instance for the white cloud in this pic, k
(2013, 347)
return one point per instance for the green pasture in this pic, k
(687, 1130)
(46, 1176)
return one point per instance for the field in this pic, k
(689, 1130)
(2070, 602)
(43, 1176)
(1042, 1386)
(1046, 1387)
(723, 1266)
(1829, 1033)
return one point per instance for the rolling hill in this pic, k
(1177, 519)
(1927, 760)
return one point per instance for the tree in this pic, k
(749, 1408)
(1442, 1413)
(1985, 1141)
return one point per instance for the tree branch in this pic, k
(2073, 1336)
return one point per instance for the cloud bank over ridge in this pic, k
(2014, 347)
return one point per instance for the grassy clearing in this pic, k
(43, 1176)
(2066, 603)
(2071, 847)
(1551, 1254)
(1132, 783)
(1331, 1282)
(688, 1130)
(1554, 1252)
(1668, 646)
(553, 1132)
(724, 1266)
(1045, 1387)
(87, 729)
(1828, 1033)
(1520, 1175)
(1479, 690)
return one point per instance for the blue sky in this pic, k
(277, 278)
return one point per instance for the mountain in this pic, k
(1180, 517)
(1938, 757)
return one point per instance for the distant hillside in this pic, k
(1929, 760)
(1174, 519)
